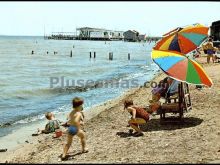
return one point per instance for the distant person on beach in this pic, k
(138, 117)
(210, 50)
(76, 119)
(51, 126)
(204, 48)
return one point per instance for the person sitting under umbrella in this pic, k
(173, 87)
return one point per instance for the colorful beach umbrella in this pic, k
(183, 39)
(180, 67)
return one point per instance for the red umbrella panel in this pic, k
(183, 40)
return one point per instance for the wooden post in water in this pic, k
(110, 56)
(129, 56)
(94, 54)
(71, 54)
(90, 54)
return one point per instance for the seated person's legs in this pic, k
(154, 107)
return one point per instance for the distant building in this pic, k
(142, 37)
(99, 34)
(215, 30)
(117, 35)
(131, 35)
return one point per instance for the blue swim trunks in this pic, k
(72, 130)
(210, 52)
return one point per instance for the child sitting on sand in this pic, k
(75, 121)
(51, 126)
(138, 116)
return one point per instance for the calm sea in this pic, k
(32, 84)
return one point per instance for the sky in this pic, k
(150, 18)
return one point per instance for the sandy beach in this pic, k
(195, 141)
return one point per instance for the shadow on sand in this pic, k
(155, 125)
(124, 134)
(71, 156)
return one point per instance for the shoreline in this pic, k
(29, 128)
(196, 141)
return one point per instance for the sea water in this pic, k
(32, 84)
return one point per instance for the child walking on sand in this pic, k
(76, 118)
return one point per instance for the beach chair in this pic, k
(186, 98)
(176, 104)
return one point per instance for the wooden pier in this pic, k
(97, 34)
(75, 37)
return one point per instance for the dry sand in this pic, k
(195, 141)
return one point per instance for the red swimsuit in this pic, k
(141, 113)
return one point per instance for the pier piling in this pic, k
(71, 54)
(94, 54)
(110, 55)
(90, 54)
(129, 57)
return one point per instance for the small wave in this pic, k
(23, 94)
(88, 85)
(85, 86)
(20, 97)
(30, 119)
(38, 117)
(135, 75)
(66, 108)
(144, 67)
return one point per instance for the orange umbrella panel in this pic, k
(183, 40)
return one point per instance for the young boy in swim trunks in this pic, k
(75, 122)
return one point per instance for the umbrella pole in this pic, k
(181, 97)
